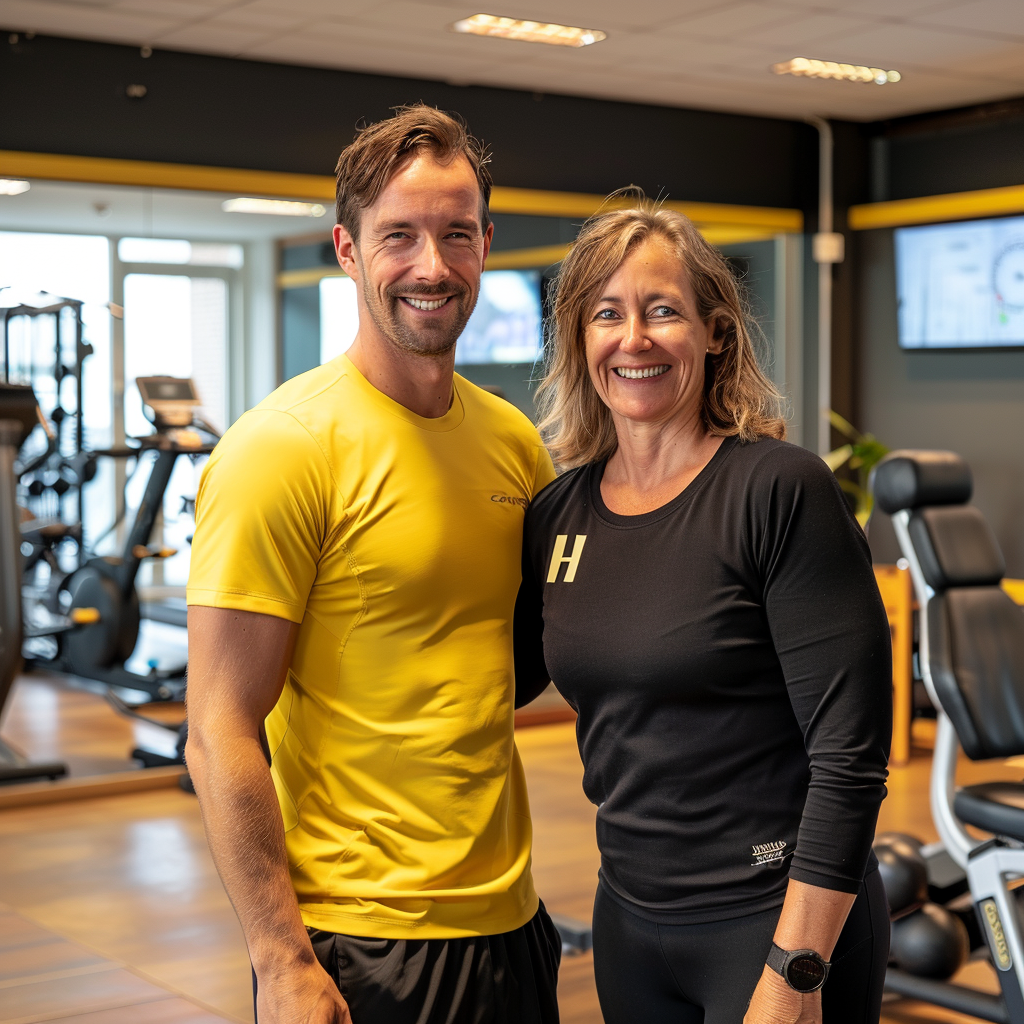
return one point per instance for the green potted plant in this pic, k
(859, 455)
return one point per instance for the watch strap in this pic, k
(777, 959)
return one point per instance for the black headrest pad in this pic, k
(956, 548)
(914, 479)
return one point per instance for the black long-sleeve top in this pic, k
(729, 658)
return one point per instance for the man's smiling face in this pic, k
(420, 253)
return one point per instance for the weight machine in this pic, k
(971, 654)
(19, 415)
(53, 480)
(100, 649)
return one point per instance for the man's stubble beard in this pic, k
(435, 342)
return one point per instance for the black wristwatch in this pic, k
(803, 969)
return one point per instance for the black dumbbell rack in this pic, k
(46, 370)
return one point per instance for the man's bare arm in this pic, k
(238, 662)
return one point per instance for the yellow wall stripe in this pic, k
(541, 256)
(516, 259)
(986, 202)
(307, 278)
(583, 204)
(104, 171)
(100, 170)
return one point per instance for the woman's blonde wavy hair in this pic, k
(738, 397)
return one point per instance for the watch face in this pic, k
(805, 973)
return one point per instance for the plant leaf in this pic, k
(844, 427)
(836, 458)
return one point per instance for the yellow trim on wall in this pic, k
(734, 234)
(540, 256)
(103, 171)
(986, 202)
(518, 259)
(307, 278)
(192, 177)
(583, 204)
(510, 259)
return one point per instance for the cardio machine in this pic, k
(971, 654)
(99, 650)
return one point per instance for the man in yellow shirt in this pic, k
(354, 571)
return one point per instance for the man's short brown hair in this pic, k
(379, 150)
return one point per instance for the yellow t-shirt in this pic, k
(395, 541)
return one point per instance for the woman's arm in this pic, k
(812, 918)
(831, 636)
(832, 639)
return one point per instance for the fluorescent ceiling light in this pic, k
(806, 68)
(528, 31)
(180, 252)
(13, 186)
(279, 207)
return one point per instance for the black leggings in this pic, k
(706, 973)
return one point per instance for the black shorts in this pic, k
(489, 979)
(706, 973)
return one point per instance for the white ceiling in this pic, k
(712, 54)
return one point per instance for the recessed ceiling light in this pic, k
(278, 207)
(804, 67)
(13, 186)
(528, 31)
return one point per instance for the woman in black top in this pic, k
(706, 603)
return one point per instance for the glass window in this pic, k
(34, 269)
(174, 326)
(339, 316)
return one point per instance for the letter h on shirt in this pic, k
(558, 556)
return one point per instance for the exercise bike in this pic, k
(99, 650)
(971, 654)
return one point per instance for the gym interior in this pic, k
(166, 204)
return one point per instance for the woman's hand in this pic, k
(774, 1002)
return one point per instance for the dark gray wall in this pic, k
(517, 382)
(967, 402)
(69, 96)
(971, 402)
(953, 151)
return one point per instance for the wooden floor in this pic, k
(57, 720)
(111, 911)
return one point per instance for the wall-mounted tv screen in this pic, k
(505, 326)
(961, 285)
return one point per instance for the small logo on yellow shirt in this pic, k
(559, 557)
(508, 499)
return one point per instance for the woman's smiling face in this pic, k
(645, 342)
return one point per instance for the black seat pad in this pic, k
(976, 656)
(996, 807)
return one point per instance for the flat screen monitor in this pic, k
(961, 285)
(505, 326)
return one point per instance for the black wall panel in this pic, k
(954, 151)
(69, 96)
